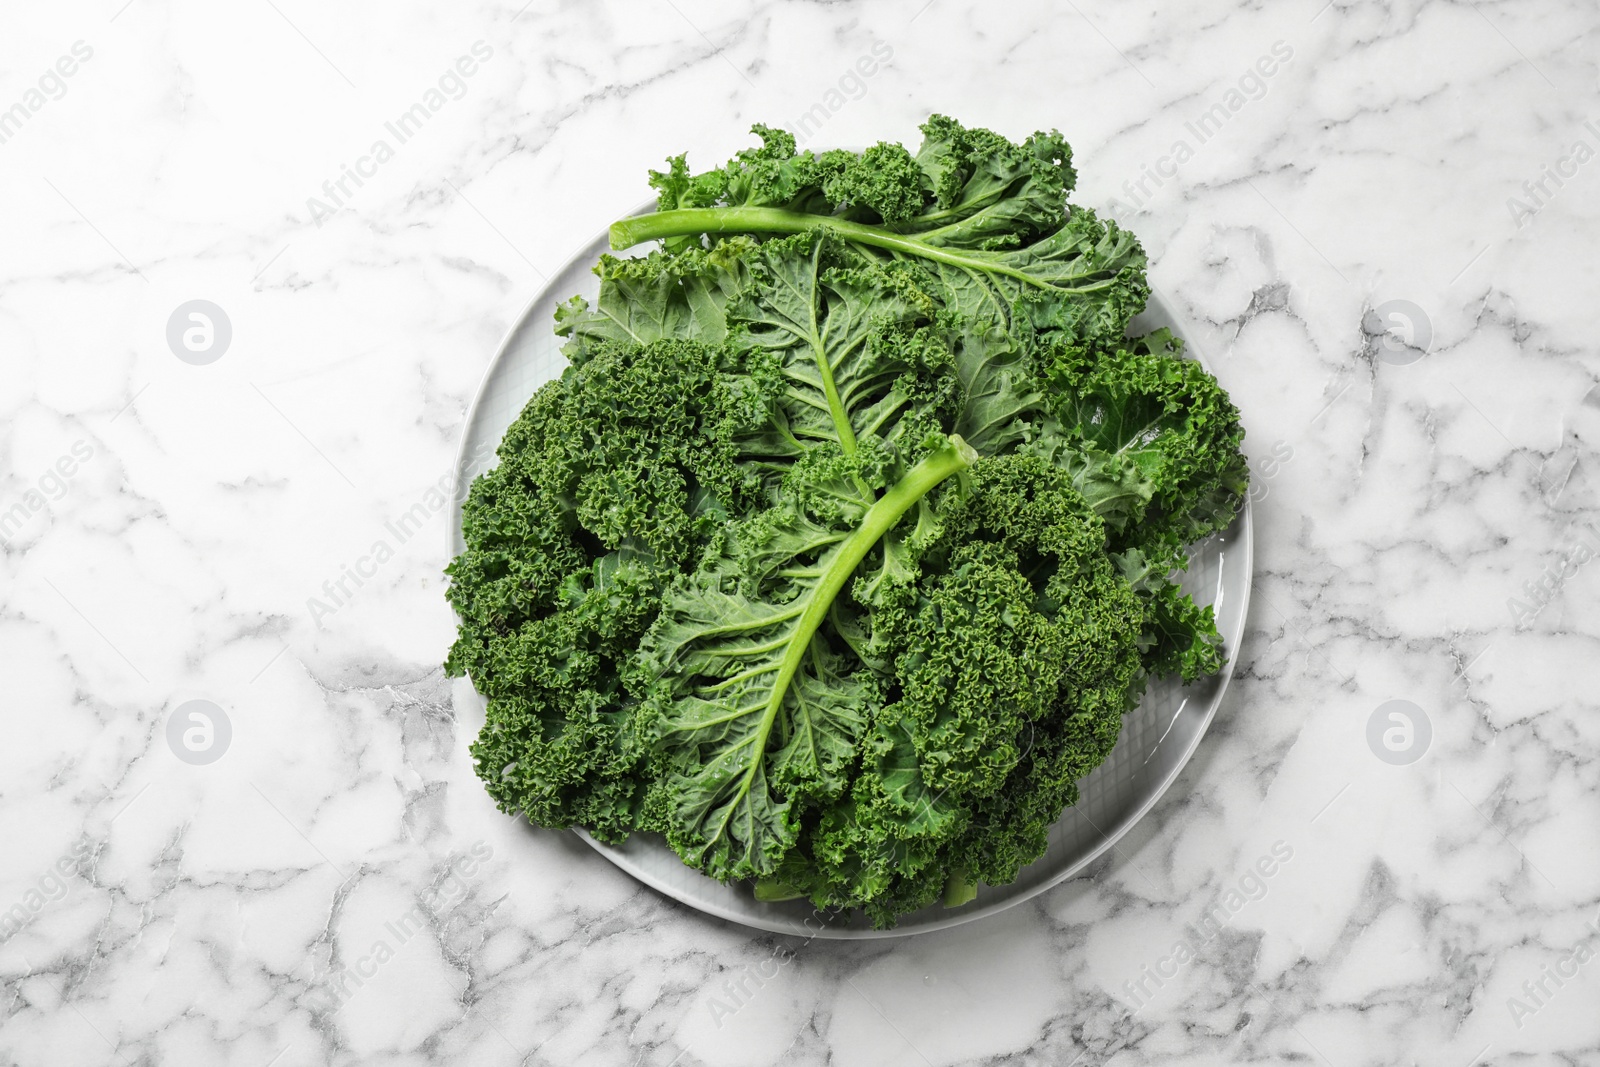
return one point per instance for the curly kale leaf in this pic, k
(754, 709)
(846, 338)
(654, 297)
(985, 188)
(1180, 637)
(989, 216)
(1141, 407)
(964, 187)
(1009, 630)
(608, 486)
(1085, 280)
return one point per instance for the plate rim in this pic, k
(959, 916)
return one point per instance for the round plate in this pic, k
(1157, 738)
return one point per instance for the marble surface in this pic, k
(1383, 226)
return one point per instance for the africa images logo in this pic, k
(402, 128)
(50, 85)
(1250, 86)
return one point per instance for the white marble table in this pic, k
(337, 889)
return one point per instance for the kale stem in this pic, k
(819, 353)
(770, 890)
(959, 889)
(625, 233)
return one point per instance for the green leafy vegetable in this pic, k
(847, 538)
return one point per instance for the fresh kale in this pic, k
(847, 538)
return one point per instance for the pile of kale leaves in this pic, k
(844, 543)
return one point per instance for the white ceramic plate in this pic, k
(1157, 738)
